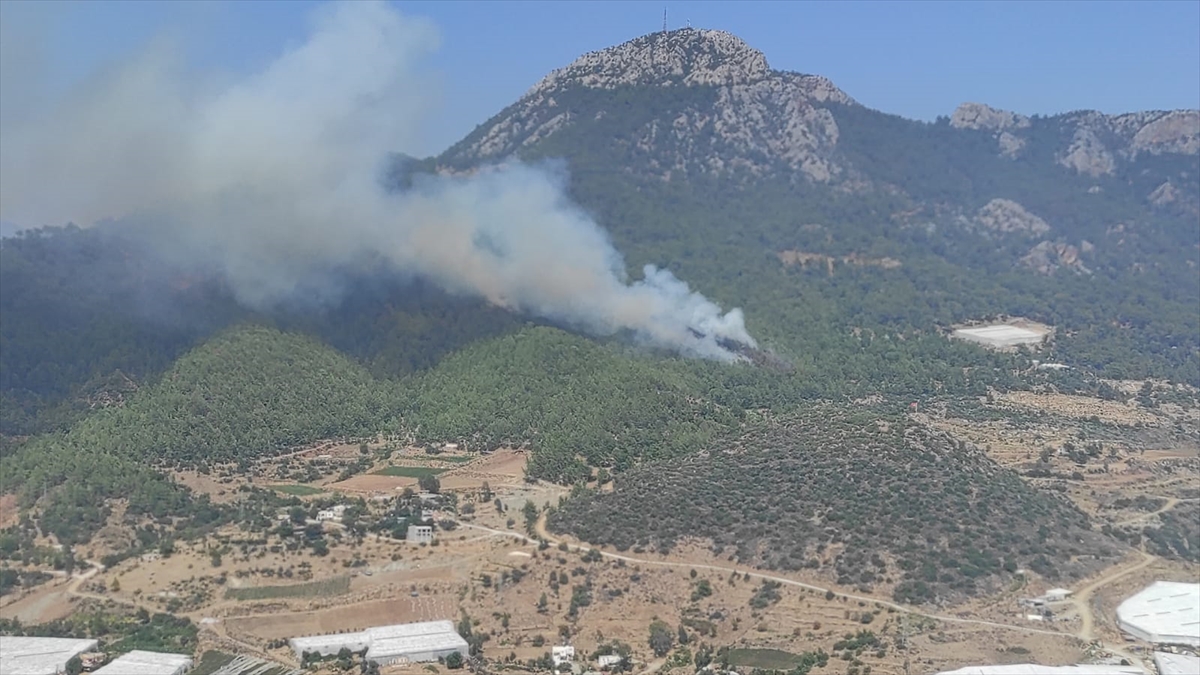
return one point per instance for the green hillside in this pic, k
(246, 393)
(867, 499)
(575, 402)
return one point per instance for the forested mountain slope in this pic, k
(698, 156)
(851, 238)
(242, 395)
(868, 499)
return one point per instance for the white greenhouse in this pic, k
(1165, 612)
(1038, 669)
(39, 655)
(138, 662)
(1176, 664)
(386, 645)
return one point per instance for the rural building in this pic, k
(1000, 336)
(420, 534)
(38, 655)
(1038, 669)
(1165, 612)
(1052, 595)
(608, 660)
(139, 662)
(388, 645)
(561, 655)
(333, 513)
(1176, 664)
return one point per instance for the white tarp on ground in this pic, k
(39, 656)
(1164, 612)
(1037, 669)
(1002, 335)
(139, 662)
(1176, 664)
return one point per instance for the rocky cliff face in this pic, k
(1097, 143)
(757, 119)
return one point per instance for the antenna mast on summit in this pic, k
(664, 18)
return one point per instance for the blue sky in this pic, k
(917, 59)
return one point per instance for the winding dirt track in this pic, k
(1172, 502)
(1083, 606)
(542, 532)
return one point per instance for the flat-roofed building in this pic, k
(420, 534)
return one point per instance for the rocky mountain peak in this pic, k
(980, 116)
(743, 116)
(687, 56)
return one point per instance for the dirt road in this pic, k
(1082, 603)
(1172, 502)
(540, 529)
(78, 580)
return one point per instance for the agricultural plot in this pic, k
(766, 659)
(298, 490)
(338, 585)
(409, 471)
(220, 663)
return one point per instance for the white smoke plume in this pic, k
(277, 176)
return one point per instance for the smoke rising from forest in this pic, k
(275, 178)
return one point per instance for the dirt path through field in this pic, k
(540, 529)
(1081, 599)
(1172, 502)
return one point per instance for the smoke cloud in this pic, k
(276, 176)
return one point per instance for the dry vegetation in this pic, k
(865, 503)
(265, 591)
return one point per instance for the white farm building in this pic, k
(139, 662)
(38, 655)
(386, 645)
(1165, 612)
(1000, 336)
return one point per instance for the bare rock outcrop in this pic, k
(1047, 257)
(762, 120)
(980, 116)
(1087, 154)
(1007, 216)
(1164, 194)
(687, 57)
(1099, 142)
(1005, 124)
